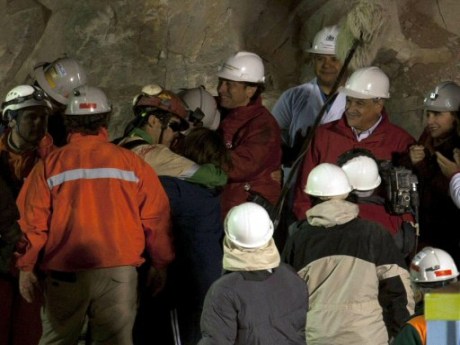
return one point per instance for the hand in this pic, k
(156, 280)
(457, 156)
(28, 282)
(447, 166)
(417, 153)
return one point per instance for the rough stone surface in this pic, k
(125, 44)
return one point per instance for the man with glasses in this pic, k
(25, 112)
(250, 132)
(365, 125)
(160, 117)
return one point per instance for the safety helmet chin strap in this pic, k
(164, 119)
(29, 144)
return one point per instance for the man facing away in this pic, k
(88, 212)
(431, 270)
(258, 300)
(352, 267)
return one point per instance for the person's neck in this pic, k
(325, 89)
(440, 140)
(18, 144)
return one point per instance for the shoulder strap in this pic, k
(132, 144)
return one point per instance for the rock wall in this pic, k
(125, 44)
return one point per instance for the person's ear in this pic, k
(12, 123)
(250, 91)
(379, 104)
(152, 120)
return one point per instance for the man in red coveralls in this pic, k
(250, 132)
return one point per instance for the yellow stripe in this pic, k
(442, 306)
(50, 75)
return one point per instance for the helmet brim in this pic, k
(359, 95)
(39, 75)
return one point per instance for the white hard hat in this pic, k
(432, 265)
(325, 40)
(199, 101)
(444, 97)
(327, 179)
(367, 83)
(87, 100)
(248, 225)
(60, 77)
(243, 66)
(363, 173)
(23, 96)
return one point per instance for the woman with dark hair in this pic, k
(198, 233)
(437, 211)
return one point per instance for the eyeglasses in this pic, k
(175, 126)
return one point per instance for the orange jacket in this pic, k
(92, 204)
(15, 166)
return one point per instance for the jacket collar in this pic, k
(102, 136)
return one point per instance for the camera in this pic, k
(401, 188)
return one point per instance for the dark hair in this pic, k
(457, 122)
(142, 117)
(260, 88)
(204, 146)
(86, 124)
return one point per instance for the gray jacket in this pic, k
(256, 307)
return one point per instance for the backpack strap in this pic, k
(132, 144)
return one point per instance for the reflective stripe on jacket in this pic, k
(92, 204)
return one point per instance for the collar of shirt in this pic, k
(325, 96)
(102, 135)
(364, 134)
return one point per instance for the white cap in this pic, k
(432, 265)
(243, 66)
(367, 83)
(248, 225)
(363, 173)
(325, 40)
(87, 100)
(327, 179)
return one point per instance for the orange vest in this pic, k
(419, 323)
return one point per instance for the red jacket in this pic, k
(333, 139)
(254, 139)
(92, 204)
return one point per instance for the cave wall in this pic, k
(125, 44)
